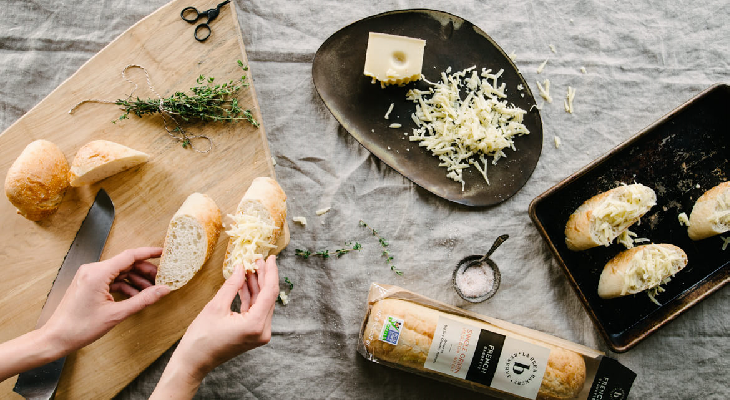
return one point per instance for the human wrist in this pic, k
(178, 381)
(50, 343)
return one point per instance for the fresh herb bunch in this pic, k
(384, 244)
(304, 253)
(208, 102)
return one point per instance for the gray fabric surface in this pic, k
(643, 58)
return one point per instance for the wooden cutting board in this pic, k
(145, 197)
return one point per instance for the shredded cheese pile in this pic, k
(463, 132)
(616, 213)
(649, 269)
(249, 233)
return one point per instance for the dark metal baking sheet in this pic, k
(360, 106)
(680, 156)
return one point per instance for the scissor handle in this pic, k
(188, 10)
(204, 26)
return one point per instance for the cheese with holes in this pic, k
(393, 60)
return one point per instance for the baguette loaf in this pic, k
(258, 225)
(190, 240)
(711, 213)
(101, 159)
(563, 379)
(641, 268)
(37, 180)
(603, 217)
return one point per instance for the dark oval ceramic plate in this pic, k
(360, 106)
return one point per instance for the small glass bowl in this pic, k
(472, 261)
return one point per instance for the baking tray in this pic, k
(451, 42)
(680, 156)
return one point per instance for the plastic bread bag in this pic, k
(404, 330)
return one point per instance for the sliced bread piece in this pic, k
(37, 180)
(258, 225)
(641, 268)
(101, 159)
(711, 213)
(603, 217)
(190, 240)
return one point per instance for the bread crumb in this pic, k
(552, 48)
(301, 220)
(273, 160)
(387, 114)
(542, 66)
(322, 211)
(683, 220)
(545, 91)
(283, 297)
(557, 142)
(583, 70)
(698, 186)
(395, 125)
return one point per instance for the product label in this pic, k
(489, 358)
(391, 330)
(613, 381)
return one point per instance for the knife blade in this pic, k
(41, 382)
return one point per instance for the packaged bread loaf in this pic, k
(411, 332)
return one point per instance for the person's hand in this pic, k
(218, 334)
(88, 310)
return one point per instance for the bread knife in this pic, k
(41, 382)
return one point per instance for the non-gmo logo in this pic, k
(521, 368)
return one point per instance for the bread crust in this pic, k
(99, 153)
(611, 282)
(268, 193)
(564, 376)
(206, 212)
(579, 233)
(37, 180)
(700, 225)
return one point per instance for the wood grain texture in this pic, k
(145, 197)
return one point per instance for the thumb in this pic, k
(230, 288)
(141, 300)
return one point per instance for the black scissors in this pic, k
(211, 14)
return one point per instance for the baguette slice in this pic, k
(190, 240)
(258, 227)
(564, 376)
(711, 213)
(603, 217)
(37, 180)
(101, 159)
(641, 268)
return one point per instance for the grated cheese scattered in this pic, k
(248, 233)
(569, 100)
(387, 114)
(725, 242)
(301, 220)
(557, 142)
(512, 55)
(683, 220)
(284, 297)
(583, 70)
(542, 66)
(721, 217)
(322, 211)
(395, 125)
(545, 91)
(462, 132)
(273, 160)
(520, 87)
(552, 48)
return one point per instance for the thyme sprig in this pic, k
(304, 253)
(384, 244)
(208, 102)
